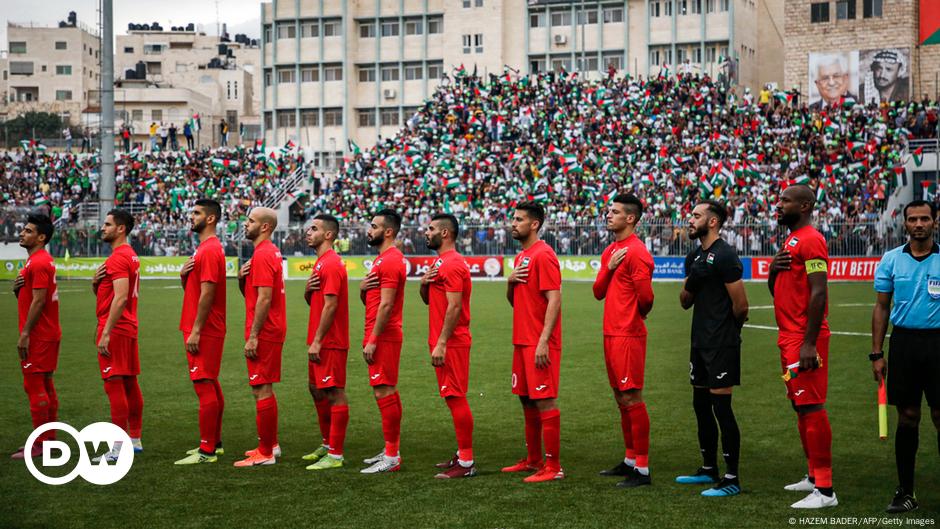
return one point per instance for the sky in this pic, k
(242, 16)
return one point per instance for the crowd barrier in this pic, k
(84, 267)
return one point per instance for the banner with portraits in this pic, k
(877, 75)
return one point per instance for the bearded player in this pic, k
(534, 291)
(37, 303)
(383, 294)
(116, 285)
(203, 325)
(261, 281)
(798, 283)
(446, 289)
(327, 342)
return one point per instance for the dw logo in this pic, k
(96, 440)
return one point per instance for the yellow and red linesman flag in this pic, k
(882, 410)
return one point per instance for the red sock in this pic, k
(35, 387)
(218, 422)
(135, 407)
(463, 426)
(628, 451)
(390, 409)
(533, 435)
(819, 439)
(114, 388)
(551, 431)
(801, 424)
(323, 417)
(640, 429)
(266, 420)
(53, 405)
(208, 415)
(339, 418)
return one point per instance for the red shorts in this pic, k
(804, 387)
(265, 367)
(384, 369)
(453, 377)
(330, 372)
(534, 382)
(123, 360)
(41, 357)
(206, 363)
(625, 357)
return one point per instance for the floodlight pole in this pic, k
(106, 183)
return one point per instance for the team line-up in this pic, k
(713, 288)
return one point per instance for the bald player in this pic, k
(262, 283)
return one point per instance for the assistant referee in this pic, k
(910, 274)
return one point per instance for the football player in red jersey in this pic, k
(798, 283)
(203, 324)
(534, 291)
(327, 293)
(446, 289)
(261, 281)
(625, 283)
(383, 294)
(38, 345)
(116, 285)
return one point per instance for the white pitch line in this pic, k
(768, 307)
(840, 333)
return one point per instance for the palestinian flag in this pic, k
(800, 180)
(705, 186)
(820, 192)
(222, 163)
(541, 197)
(411, 150)
(460, 72)
(41, 201)
(918, 155)
(273, 166)
(26, 144)
(41, 148)
(830, 127)
(288, 147)
(134, 154)
(930, 190)
(353, 148)
(259, 145)
(452, 182)
(150, 183)
(195, 123)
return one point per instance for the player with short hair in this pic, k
(327, 293)
(37, 302)
(534, 292)
(624, 282)
(713, 286)
(203, 324)
(261, 281)
(798, 284)
(383, 294)
(446, 290)
(117, 285)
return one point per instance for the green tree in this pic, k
(45, 125)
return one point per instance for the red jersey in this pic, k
(392, 271)
(39, 272)
(123, 263)
(630, 285)
(209, 267)
(529, 301)
(266, 272)
(333, 282)
(791, 288)
(453, 275)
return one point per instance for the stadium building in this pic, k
(334, 70)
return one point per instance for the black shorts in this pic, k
(715, 367)
(914, 367)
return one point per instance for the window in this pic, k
(128, 49)
(478, 3)
(466, 43)
(389, 117)
(63, 69)
(710, 6)
(871, 8)
(654, 58)
(17, 47)
(613, 14)
(332, 28)
(414, 72)
(286, 118)
(414, 27)
(366, 117)
(268, 120)
(154, 68)
(723, 5)
(63, 95)
(697, 55)
(819, 12)
(309, 29)
(267, 77)
(683, 7)
(61, 45)
(654, 9)
(561, 63)
(285, 75)
(267, 33)
(561, 18)
(390, 73)
(537, 65)
(588, 16)
(587, 64)
(367, 74)
(332, 117)
(286, 30)
(332, 72)
(537, 19)
(43, 67)
(435, 70)
(137, 115)
(845, 9)
(152, 49)
(390, 28)
(435, 25)
(667, 8)
(156, 114)
(478, 42)
(309, 117)
(309, 74)
(613, 59)
(466, 4)
(366, 30)
(681, 55)
(710, 54)
(696, 7)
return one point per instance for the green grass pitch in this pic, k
(157, 494)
